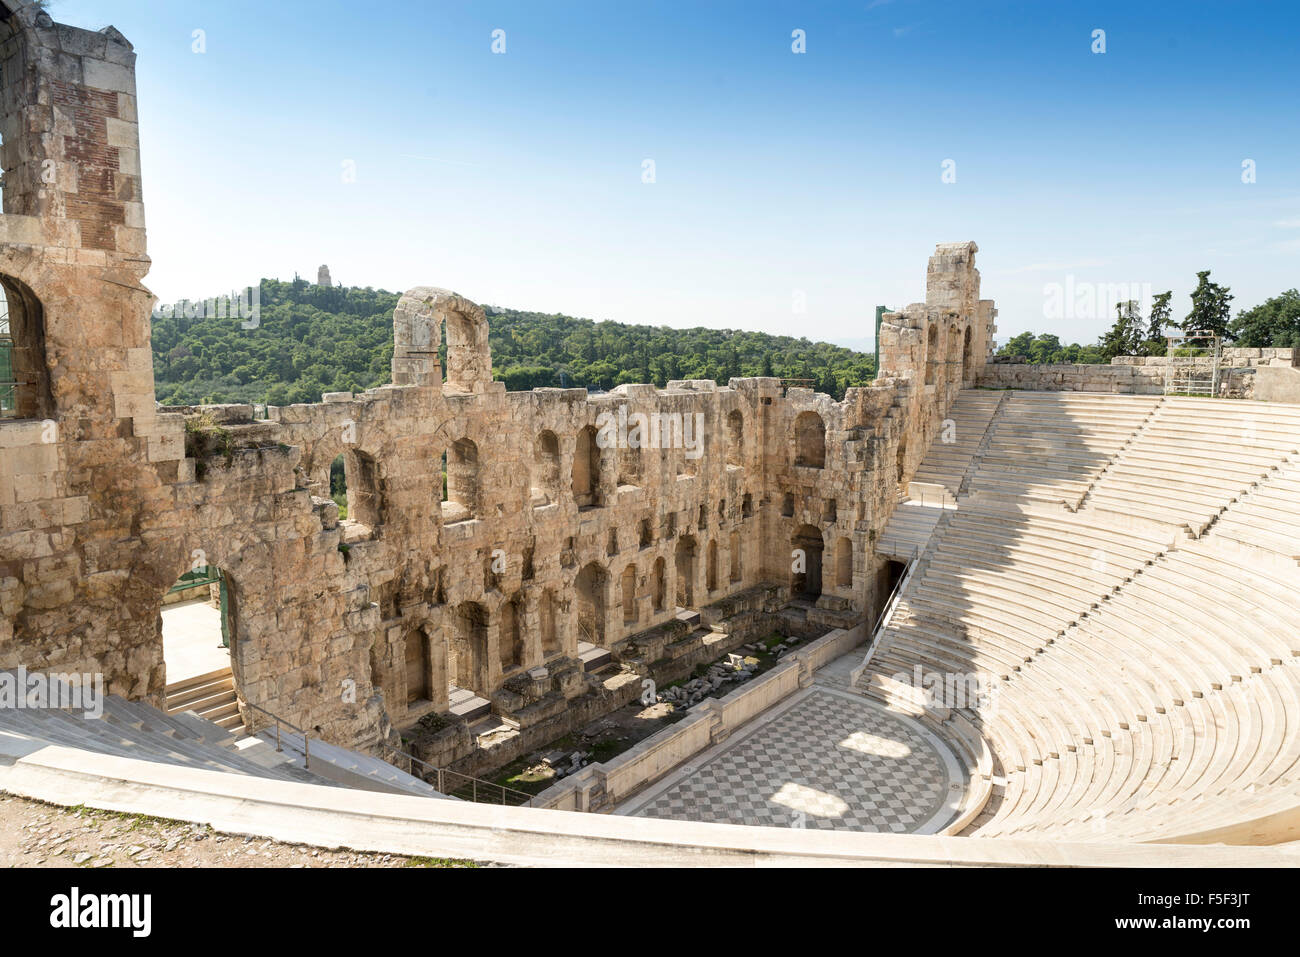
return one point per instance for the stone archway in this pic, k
(468, 665)
(810, 440)
(685, 560)
(24, 373)
(806, 567)
(418, 321)
(590, 586)
(586, 469)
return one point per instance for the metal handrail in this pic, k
(886, 613)
(441, 772)
(924, 493)
(306, 741)
(896, 594)
(474, 782)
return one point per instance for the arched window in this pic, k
(735, 438)
(418, 322)
(590, 586)
(550, 627)
(363, 490)
(659, 587)
(810, 440)
(338, 485)
(685, 566)
(844, 563)
(462, 482)
(586, 469)
(629, 594)
(468, 650)
(24, 374)
(510, 641)
(806, 567)
(545, 470)
(418, 667)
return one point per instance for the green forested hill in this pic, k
(314, 339)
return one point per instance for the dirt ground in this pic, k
(33, 834)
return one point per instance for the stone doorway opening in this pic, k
(196, 627)
(685, 559)
(806, 563)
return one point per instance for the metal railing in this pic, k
(927, 493)
(306, 741)
(886, 613)
(897, 593)
(895, 546)
(476, 790)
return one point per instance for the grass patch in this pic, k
(439, 862)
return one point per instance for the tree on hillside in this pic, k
(1211, 307)
(1125, 337)
(1160, 312)
(314, 339)
(1047, 348)
(1274, 323)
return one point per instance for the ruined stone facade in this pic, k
(556, 527)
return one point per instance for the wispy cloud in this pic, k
(904, 31)
(1287, 224)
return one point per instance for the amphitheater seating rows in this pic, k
(946, 463)
(1146, 683)
(1049, 446)
(1267, 516)
(1193, 458)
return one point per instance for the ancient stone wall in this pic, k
(1140, 375)
(567, 517)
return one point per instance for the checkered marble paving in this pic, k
(828, 762)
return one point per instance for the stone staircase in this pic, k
(908, 531)
(180, 738)
(960, 439)
(211, 696)
(132, 729)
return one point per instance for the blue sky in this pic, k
(516, 178)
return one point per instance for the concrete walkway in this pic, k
(192, 640)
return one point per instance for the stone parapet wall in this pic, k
(1135, 375)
